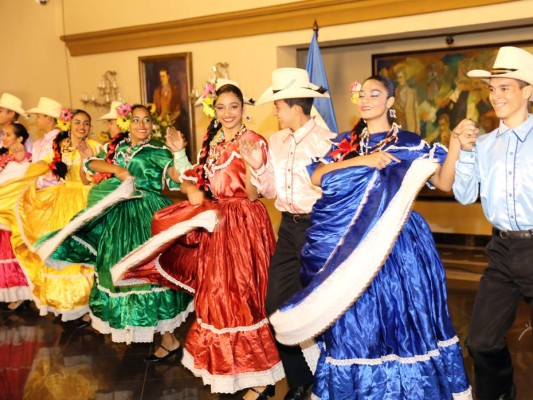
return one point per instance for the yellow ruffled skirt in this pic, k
(40, 211)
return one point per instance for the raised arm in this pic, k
(261, 172)
(463, 136)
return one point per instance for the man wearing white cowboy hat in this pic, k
(111, 118)
(10, 110)
(285, 178)
(498, 168)
(47, 111)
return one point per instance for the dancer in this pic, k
(230, 344)
(285, 177)
(111, 118)
(14, 162)
(10, 111)
(497, 169)
(365, 245)
(49, 204)
(115, 222)
(46, 112)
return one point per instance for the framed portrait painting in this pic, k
(166, 81)
(433, 92)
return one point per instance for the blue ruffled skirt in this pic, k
(397, 341)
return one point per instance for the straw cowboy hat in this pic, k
(510, 62)
(112, 114)
(290, 83)
(46, 106)
(218, 84)
(12, 103)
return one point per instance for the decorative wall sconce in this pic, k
(107, 91)
(219, 70)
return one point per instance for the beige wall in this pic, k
(98, 15)
(40, 66)
(34, 60)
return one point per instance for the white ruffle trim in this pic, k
(393, 357)
(8, 261)
(19, 334)
(57, 264)
(171, 278)
(211, 172)
(349, 281)
(121, 193)
(140, 334)
(66, 315)
(154, 245)
(466, 395)
(15, 293)
(236, 382)
(85, 244)
(311, 352)
(235, 329)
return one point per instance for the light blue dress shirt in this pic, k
(500, 170)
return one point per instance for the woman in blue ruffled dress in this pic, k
(375, 289)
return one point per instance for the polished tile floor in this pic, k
(42, 359)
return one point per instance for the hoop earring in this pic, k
(392, 113)
(215, 124)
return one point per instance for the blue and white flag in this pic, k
(317, 75)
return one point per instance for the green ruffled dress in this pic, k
(128, 313)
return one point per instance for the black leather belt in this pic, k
(296, 218)
(513, 234)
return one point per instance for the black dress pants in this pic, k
(283, 282)
(508, 278)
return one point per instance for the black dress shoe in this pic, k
(178, 352)
(510, 395)
(299, 392)
(267, 392)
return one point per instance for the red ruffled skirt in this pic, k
(13, 282)
(230, 344)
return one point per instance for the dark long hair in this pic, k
(212, 130)
(57, 166)
(114, 142)
(20, 131)
(357, 130)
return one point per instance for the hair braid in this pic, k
(57, 166)
(204, 153)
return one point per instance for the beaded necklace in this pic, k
(364, 147)
(218, 146)
(129, 151)
(67, 150)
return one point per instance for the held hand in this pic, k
(18, 151)
(175, 139)
(122, 174)
(252, 153)
(379, 159)
(85, 150)
(195, 196)
(466, 132)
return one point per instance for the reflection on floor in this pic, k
(42, 359)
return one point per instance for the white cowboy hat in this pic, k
(510, 62)
(12, 103)
(46, 106)
(290, 83)
(218, 84)
(112, 114)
